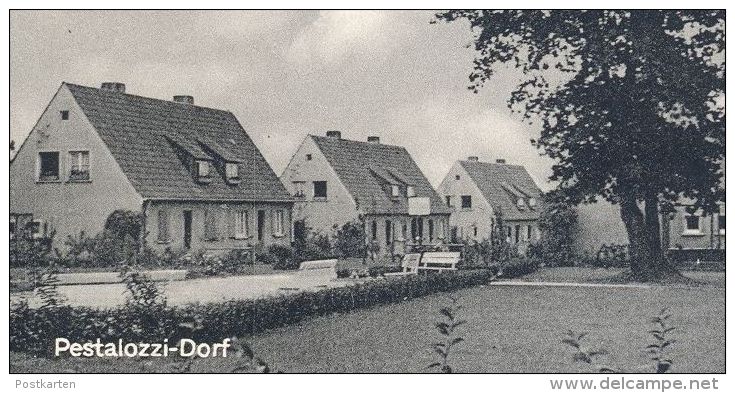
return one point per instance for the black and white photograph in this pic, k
(505, 192)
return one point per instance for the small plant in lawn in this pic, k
(657, 350)
(661, 341)
(582, 353)
(447, 328)
(246, 361)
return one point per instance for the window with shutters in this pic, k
(210, 225)
(242, 224)
(388, 232)
(163, 232)
(278, 224)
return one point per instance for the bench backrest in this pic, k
(410, 263)
(318, 265)
(440, 260)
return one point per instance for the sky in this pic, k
(285, 74)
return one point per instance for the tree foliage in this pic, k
(630, 104)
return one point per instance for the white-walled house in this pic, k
(193, 172)
(476, 190)
(336, 181)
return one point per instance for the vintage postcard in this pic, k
(369, 191)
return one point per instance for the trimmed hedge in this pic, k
(34, 330)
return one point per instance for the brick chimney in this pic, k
(184, 99)
(500, 161)
(117, 87)
(334, 134)
(473, 158)
(373, 139)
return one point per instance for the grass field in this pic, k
(509, 329)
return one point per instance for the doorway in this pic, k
(187, 229)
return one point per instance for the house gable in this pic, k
(307, 165)
(466, 220)
(68, 207)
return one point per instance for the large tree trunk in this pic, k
(647, 260)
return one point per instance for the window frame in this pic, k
(314, 189)
(692, 232)
(279, 218)
(64, 114)
(71, 163)
(42, 229)
(468, 199)
(203, 164)
(228, 174)
(242, 224)
(395, 190)
(410, 191)
(39, 166)
(448, 200)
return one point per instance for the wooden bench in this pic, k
(439, 261)
(409, 265)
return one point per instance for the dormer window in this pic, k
(202, 167)
(521, 204)
(232, 172)
(532, 202)
(395, 191)
(411, 191)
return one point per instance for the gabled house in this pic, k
(193, 172)
(336, 181)
(476, 191)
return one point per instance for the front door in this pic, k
(187, 228)
(261, 224)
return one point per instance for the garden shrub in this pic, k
(33, 330)
(558, 226)
(26, 252)
(350, 241)
(316, 246)
(519, 266)
(283, 256)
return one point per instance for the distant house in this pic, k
(600, 224)
(476, 191)
(192, 171)
(336, 181)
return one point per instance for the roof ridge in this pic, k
(148, 98)
(356, 141)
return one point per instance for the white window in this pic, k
(278, 223)
(721, 220)
(521, 204)
(38, 229)
(78, 165)
(299, 189)
(411, 191)
(441, 230)
(692, 224)
(242, 224)
(48, 166)
(395, 190)
(532, 202)
(202, 168)
(231, 171)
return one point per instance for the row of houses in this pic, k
(201, 182)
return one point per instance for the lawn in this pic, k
(509, 329)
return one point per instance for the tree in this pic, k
(638, 117)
